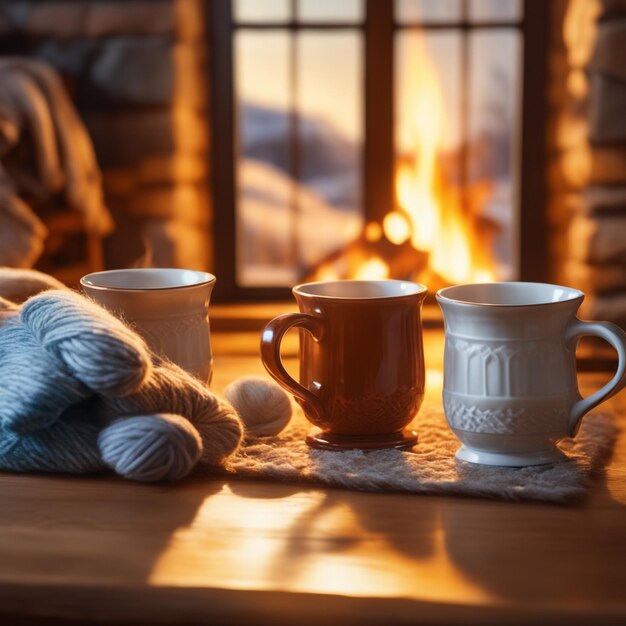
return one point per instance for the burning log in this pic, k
(367, 259)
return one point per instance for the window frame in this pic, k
(378, 162)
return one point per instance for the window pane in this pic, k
(416, 11)
(299, 104)
(329, 101)
(495, 10)
(264, 191)
(330, 10)
(495, 93)
(261, 10)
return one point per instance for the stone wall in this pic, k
(137, 72)
(588, 143)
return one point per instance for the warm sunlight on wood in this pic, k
(327, 545)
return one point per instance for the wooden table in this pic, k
(238, 552)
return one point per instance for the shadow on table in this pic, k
(98, 530)
(530, 551)
(343, 522)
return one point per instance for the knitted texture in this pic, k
(81, 392)
(430, 468)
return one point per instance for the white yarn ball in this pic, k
(264, 408)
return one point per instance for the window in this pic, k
(322, 116)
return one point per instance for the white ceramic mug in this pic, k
(169, 308)
(510, 390)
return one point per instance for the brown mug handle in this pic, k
(271, 339)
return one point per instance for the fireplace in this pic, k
(369, 139)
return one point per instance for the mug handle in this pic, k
(614, 335)
(271, 339)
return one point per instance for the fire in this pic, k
(373, 269)
(397, 227)
(373, 232)
(436, 222)
(433, 234)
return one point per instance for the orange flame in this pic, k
(437, 223)
(372, 269)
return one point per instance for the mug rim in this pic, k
(205, 278)
(442, 297)
(418, 289)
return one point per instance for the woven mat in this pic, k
(430, 468)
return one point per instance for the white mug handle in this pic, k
(617, 338)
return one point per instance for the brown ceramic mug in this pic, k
(361, 360)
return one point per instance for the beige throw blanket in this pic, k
(36, 110)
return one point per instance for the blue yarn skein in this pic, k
(169, 389)
(69, 445)
(56, 351)
(143, 448)
(97, 348)
(79, 394)
(35, 387)
(134, 447)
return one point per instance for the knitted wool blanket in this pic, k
(430, 467)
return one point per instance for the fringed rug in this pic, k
(430, 467)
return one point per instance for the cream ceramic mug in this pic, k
(510, 390)
(169, 308)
